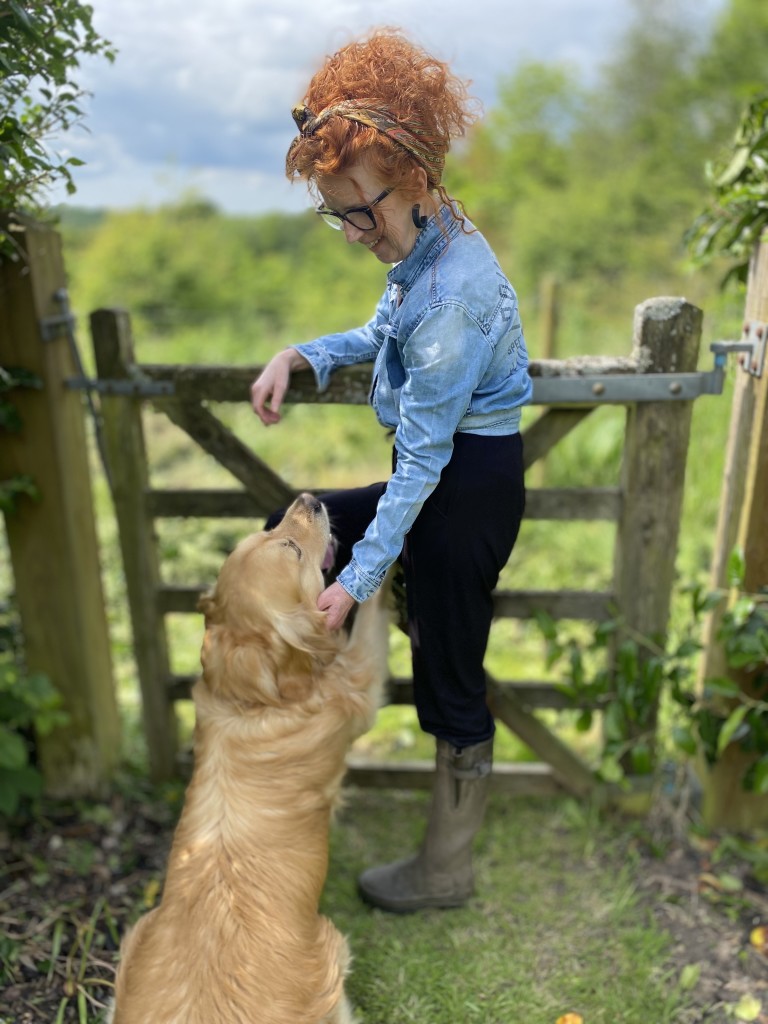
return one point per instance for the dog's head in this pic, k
(265, 640)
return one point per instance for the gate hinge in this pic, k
(51, 327)
(753, 345)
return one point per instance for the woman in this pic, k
(450, 376)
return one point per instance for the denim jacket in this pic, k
(449, 355)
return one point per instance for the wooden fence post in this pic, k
(126, 455)
(742, 523)
(667, 334)
(53, 541)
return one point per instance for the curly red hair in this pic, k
(389, 70)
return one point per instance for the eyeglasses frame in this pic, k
(325, 212)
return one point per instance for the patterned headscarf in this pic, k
(412, 136)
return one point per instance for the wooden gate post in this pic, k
(667, 334)
(53, 541)
(126, 455)
(743, 523)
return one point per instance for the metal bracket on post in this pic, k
(52, 326)
(753, 344)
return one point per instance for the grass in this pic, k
(556, 926)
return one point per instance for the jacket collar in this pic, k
(430, 242)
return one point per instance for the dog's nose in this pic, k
(311, 503)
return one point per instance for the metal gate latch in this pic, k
(752, 344)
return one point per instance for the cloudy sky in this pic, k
(200, 94)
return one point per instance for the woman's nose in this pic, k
(351, 233)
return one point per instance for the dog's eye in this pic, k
(294, 545)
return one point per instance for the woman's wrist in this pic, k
(294, 359)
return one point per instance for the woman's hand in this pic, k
(268, 390)
(337, 603)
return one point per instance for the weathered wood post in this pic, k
(126, 455)
(743, 523)
(53, 542)
(667, 334)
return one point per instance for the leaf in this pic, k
(721, 687)
(739, 161)
(732, 724)
(736, 567)
(689, 977)
(748, 1008)
(730, 883)
(13, 750)
(684, 739)
(151, 890)
(760, 776)
(642, 759)
(758, 937)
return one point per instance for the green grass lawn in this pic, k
(556, 925)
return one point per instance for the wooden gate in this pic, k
(656, 383)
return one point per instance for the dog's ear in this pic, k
(236, 670)
(309, 649)
(207, 605)
(305, 630)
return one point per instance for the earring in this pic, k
(419, 220)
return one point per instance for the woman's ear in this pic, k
(420, 180)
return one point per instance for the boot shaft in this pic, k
(459, 798)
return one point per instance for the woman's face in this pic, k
(394, 235)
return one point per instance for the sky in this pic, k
(199, 96)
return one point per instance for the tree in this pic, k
(41, 44)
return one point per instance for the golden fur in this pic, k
(238, 938)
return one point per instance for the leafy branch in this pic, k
(733, 223)
(41, 44)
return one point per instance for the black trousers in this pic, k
(451, 558)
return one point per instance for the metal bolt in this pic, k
(676, 387)
(598, 389)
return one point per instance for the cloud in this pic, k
(201, 90)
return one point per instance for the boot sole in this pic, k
(411, 906)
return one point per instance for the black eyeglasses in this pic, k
(361, 217)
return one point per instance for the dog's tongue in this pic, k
(329, 557)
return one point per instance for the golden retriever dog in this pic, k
(237, 937)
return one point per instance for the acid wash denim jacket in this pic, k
(449, 355)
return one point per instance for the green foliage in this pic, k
(186, 267)
(20, 484)
(734, 221)
(623, 675)
(29, 706)
(626, 676)
(41, 44)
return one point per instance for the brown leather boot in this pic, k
(440, 874)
